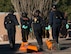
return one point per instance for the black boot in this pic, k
(11, 45)
(40, 48)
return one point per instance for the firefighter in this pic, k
(10, 22)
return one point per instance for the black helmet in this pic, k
(24, 14)
(54, 6)
(37, 11)
(11, 11)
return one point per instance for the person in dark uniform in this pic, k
(69, 31)
(63, 29)
(37, 28)
(10, 22)
(25, 27)
(55, 20)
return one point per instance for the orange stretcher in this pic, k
(25, 47)
(49, 44)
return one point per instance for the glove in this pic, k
(48, 28)
(67, 26)
(18, 26)
(30, 29)
(25, 27)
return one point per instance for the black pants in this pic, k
(11, 35)
(55, 32)
(25, 34)
(38, 35)
(45, 34)
(69, 33)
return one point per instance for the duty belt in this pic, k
(35, 22)
(58, 17)
(8, 22)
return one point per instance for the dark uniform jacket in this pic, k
(55, 18)
(25, 21)
(38, 24)
(10, 21)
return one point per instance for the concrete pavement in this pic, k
(65, 47)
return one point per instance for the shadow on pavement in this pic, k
(5, 49)
(65, 46)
